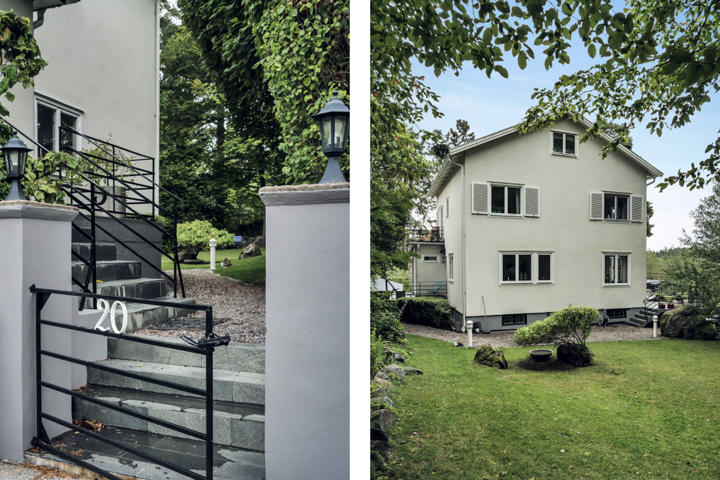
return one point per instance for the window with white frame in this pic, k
(564, 143)
(50, 115)
(505, 199)
(526, 267)
(616, 269)
(616, 207)
(431, 259)
(450, 267)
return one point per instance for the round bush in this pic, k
(193, 237)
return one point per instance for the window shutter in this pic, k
(532, 202)
(480, 193)
(596, 206)
(636, 208)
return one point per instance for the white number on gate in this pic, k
(103, 304)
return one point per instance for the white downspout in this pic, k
(157, 100)
(462, 248)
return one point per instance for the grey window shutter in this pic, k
(636, 208)
(480, 193)
(596, 206)
(532, 202)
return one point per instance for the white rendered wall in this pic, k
(563, 227)
(429, 272)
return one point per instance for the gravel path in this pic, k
(505, 339)
(242, 305)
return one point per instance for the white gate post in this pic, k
(213, 243)
(35, 239)
(655, 320)
(307, 365)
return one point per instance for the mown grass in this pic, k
(249, 270)
(646, 409)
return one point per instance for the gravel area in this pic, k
(242, 305)
(505, 339)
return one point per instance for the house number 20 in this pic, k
(103, 304)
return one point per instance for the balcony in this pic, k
(424, 289)
(432, 235)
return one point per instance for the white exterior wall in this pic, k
(563, 227)
(430, 271)
(453, 238)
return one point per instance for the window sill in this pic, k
(610, 220)
(558, 154)
(505, 215)
(616, 285)
(517, 283)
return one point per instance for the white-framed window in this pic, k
(616, 269)
(49, 115)
(564, 143)
(450, 267)
(506, 199)
(431, 258)
(527, 267)
(616, 207)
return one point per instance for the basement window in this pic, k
(516, 319)
(616, 313)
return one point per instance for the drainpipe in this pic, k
(462, 228)
(40, 20)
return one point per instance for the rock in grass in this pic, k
(385, 385)
(382, 376)
(412, 371)
(395, 370)
(490, 357)
(384, 400)
(398, 358)
(252, 250)
(383, 419)
(459, 343)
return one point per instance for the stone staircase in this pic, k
(239, 391)
(124, 278)
(642, 318)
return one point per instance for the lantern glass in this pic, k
(12, 163)
(327, 133)
(339, 132)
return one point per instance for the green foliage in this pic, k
(385, 318)
(400, 276)
(570, 325)
(20, 59)
(429, 311)
(687, 322)
(377, 353)
(194, 236)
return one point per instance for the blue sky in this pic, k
(493, 104)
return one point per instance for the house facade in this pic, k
(102, 76)
(533, 223)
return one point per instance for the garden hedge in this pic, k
(428, 311)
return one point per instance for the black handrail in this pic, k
(90, 203)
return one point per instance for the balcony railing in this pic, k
(433, 234)
(425, 289)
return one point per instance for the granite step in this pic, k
(235, 425)
(234, 387)
(79, 237)
(145, 288)
(103, 251)
(229, 463)
(109, 270)
(236, 357)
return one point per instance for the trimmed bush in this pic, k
(385, 318)
(193, 237)
(568, 328)
(428, 311)
(687, 322)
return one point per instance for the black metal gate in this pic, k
(205, 346)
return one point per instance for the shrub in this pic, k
(687, 322)
(378, 355)
(568, 328)
(428, 311)
(385, 317)
(195, 236)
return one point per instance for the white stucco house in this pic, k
(528, 224)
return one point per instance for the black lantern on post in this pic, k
(15, 153)
(334, 120)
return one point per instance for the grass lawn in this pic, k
(249, 270)
(646, 409)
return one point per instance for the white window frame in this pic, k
(505, 187)
(629, 268)
(59, 109)
(564, 134)
(450, 266)
(534, 267)
(629, 207)
(436, 255)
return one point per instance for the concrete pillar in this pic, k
(307, 392)
(35, 243)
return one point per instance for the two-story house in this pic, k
(528, 224)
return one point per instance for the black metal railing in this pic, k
(205, 346)
(427, 289)
(91, 190)
(432, 234)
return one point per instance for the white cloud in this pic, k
(672, 214)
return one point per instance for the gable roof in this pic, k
(447, 169)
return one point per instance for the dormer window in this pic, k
(564, 144)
